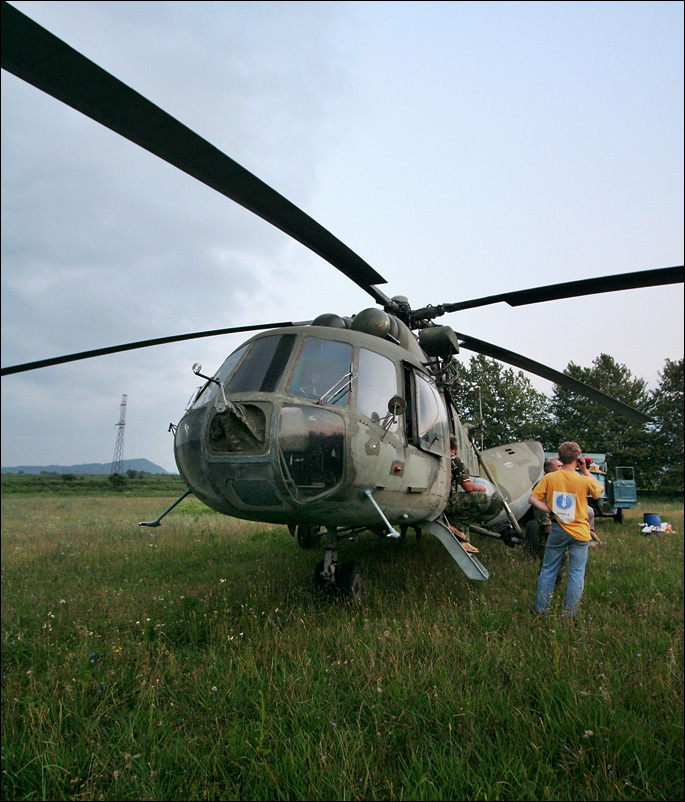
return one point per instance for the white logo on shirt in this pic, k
(564, 506)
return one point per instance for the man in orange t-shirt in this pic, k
(564, 493)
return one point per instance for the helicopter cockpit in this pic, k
(269, 430)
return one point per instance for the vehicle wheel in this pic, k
(305, 536)
(531, 537)
(321, 586)
(348, 581)
(618, 516)
(507, 536)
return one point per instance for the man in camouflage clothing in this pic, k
(467, 507)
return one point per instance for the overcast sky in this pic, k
(462, 149)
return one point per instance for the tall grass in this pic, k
(193, 661)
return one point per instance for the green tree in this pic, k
(667, 411)
(595, 428)
(117, 480)
(512, 408)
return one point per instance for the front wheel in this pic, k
(618, 516)
(348, 582)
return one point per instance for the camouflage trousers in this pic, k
(464, 509)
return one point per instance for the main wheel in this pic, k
(348, 582)
(531, 537)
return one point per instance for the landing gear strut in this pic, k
(345, 580)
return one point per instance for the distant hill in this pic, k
(91, 467)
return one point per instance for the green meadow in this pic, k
(194, 661)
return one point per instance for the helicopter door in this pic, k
(427, 430)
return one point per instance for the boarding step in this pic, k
(466, 560)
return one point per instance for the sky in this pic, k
(462, 149)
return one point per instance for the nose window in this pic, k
(311, 444)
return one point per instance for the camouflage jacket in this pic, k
(459, 473)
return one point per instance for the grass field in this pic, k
(193, 661)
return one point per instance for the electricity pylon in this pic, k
(118, 459)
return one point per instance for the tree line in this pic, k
(514, 410)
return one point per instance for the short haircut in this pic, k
(549, 464)
(569, 452)
(453, 442)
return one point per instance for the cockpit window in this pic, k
(432, 416)
(263, 365)
(376, 385)
(323, 371)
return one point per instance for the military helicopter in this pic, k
(331, 426)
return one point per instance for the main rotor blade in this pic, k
(114, 349)
(523, 362)
(35, 55)
(575, 289)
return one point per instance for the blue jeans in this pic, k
(557, 544)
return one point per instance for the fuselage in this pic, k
(296, 428)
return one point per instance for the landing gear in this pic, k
(508, 536)
(344, 581)
(348, 582)
(618, 516)
(532, 537)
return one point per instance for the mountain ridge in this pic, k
(89, 467)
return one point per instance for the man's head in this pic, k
(552, 464)
(453, 443)
(569, 452)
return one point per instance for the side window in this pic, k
(431, 423)
(376, 385)
(323, 371)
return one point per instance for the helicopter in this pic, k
(332, 426)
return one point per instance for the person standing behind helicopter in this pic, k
(564, 494)
(544, 518)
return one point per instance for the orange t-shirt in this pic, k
(565, 493)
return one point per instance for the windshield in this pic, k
(322, 365)
(263, 365)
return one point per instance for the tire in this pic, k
(618, 516)
(321, 586)
(349, 583)
(532, 537)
